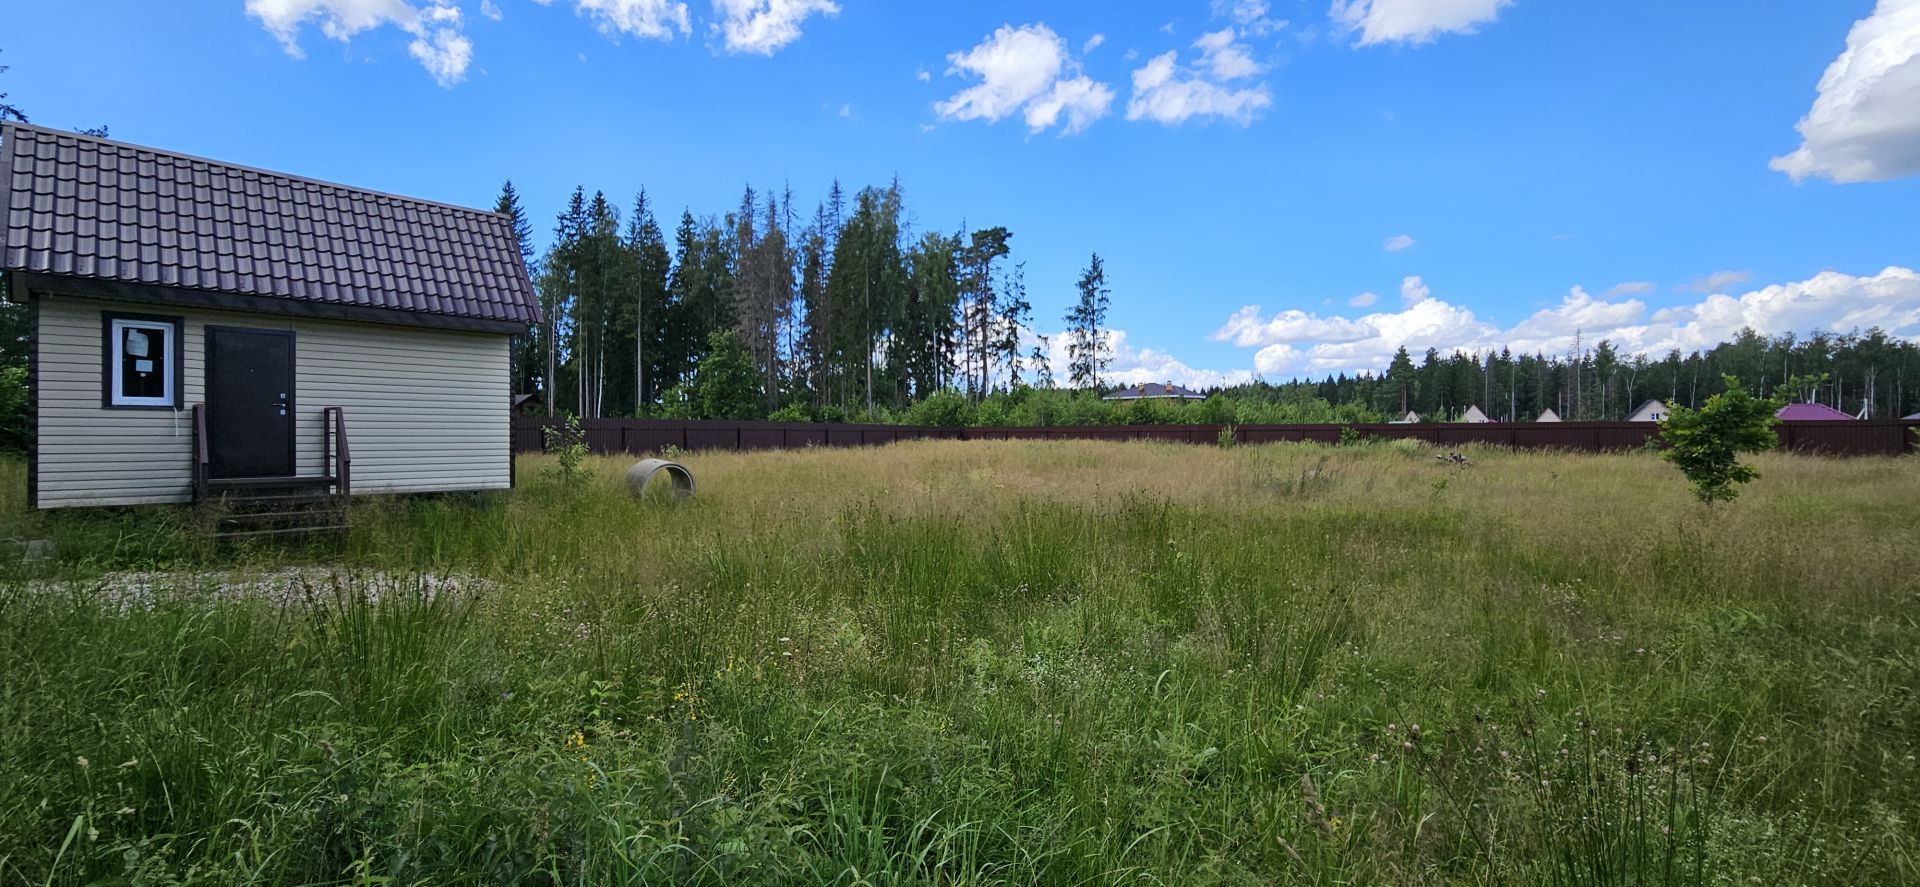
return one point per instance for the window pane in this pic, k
(143, 353)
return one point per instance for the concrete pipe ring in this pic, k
(640, 476)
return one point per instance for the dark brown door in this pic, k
(249, 402)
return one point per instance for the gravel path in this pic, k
(288, 587)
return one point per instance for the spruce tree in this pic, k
(525, 349)
(1088, 352)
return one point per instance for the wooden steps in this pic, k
(275, 508)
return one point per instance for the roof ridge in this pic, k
(195, 158)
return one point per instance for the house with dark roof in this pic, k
(1155, 391)
(1810, 412)
(1655, 410)
(202, 329)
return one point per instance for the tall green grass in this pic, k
(993, 664)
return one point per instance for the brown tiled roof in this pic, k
(1153, 390)
(87, 207)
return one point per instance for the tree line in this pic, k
(768, 309)
(845, 311)
(1870, 374)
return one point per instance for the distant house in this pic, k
(1411, 418)
(198, 328)
(1913, 418)
(1810, 412)
(1548, 416)
(1654, 410)
(1155, 391)
(1473, 416)
(527, 404)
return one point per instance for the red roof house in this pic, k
(1810, 412)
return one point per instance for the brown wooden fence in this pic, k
(635, 436)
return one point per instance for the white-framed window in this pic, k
(142, 357)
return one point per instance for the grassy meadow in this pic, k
(967, 663)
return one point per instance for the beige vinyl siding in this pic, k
(427, 410)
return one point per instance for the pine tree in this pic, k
(1088, 351)
(526, 348)
(558, 291)
(8, 111)
(652, 269)
(979, 304)
(1015, 317)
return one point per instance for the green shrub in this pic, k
(793, 412)
(567, 442)
(942, 409)
(725, 385)
(1705, 444)
(15, 424)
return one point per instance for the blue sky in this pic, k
(1300, 188)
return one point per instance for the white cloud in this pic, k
(1025, 69)
(923, 75)
(1413, 291)
(1137, 366)
(1364, 300)
(1225, 57)
(1166, 92)
(440, 47)
(846, 110)
(1247, 329)
(1865, 123)
(1398, 242)
(1630, 288)
(1093, 43)
(763, 27)
(490, 11)
(646, 19)
(1718, 281)
(1889, 300)
(1082, 99)
(439, 43)
(1253, 17)
(1413, 21)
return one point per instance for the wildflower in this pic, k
(125, 811)
(1407, 745)
(1414, 731)
(83, 762)
(577, 740)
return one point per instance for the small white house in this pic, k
(1651, 411)
(1411, 418)
(1548, 415)
(1473, 416)
(199, 329)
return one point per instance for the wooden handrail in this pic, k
(343, 469)
(201, 459)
